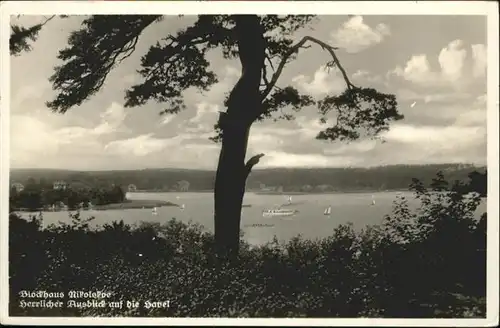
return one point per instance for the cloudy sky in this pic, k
(435, 65)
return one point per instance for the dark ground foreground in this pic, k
(428, 263)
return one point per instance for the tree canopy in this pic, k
(178, 62)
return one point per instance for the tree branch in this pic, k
(294, 49)
(130, 48)
(92, 52)
(270, 61)
(47, 20)
(251, 163)
(264, 76)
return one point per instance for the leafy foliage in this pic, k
(21, 36)
(93, 51)
(35, 197)
(358, 109)
(423, 262)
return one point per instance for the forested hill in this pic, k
(396, 177)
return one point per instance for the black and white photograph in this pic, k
(331, 163)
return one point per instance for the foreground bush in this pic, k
(429, 262)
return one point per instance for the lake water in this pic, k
(310, 221)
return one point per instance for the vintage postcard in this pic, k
(249, 163)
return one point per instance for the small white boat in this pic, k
(154, 211)
(328, 210)
(182, 206)
(373, 200)
(278, 212)
(289, 199)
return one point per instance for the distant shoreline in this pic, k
(293, 193)
(126, 205)
(285, 193)
(134, 204)
(171, 191)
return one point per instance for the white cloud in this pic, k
(452, 67)
(481, 100)
(308, 127)
(431, 138)
(323, 82)
(479, 59)
(364, 76)
(451, 59)
(265, 139)
(302, 138)
(354, 35)
(417, 70)
(205, 106)
(167, 119)
(149, 151)
(204, 109)
(476, 116)
(285, 135)
(359, 146)
(42, 134)
(302, 128)
(146, 144)
(111, 120)
(27, 93)
(138, 146)
(282, 159)
(228, 77)
(451, 97)
(31, 137)
(265, 142)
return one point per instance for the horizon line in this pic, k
(256, 169)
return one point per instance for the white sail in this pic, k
(373, 200)
(154, 211)
(183, 206)
(328, 210)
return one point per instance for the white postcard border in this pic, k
(489, 9)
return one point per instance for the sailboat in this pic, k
(328, 211)
(154, 211)
(289, 199)
(373, 200)
(182, 206)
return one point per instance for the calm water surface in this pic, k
(310, 222)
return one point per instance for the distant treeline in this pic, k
(394, 177)
(36, 196)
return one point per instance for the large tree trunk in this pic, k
(243, 105)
